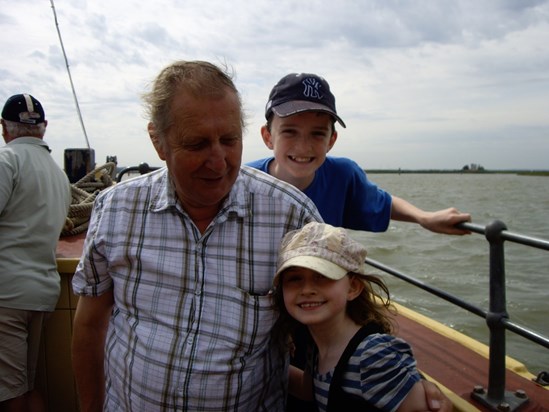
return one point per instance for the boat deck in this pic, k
(460, 363)
(452, 360)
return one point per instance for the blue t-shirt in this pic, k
(344, 196)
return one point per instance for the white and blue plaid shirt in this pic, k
(192, 316)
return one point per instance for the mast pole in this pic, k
(70, 77)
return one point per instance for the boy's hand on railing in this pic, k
(445, 221)
(441, 221)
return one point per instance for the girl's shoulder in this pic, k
(380, 349)
(379, 341)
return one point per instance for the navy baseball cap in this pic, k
(301, 92)
(23, 108)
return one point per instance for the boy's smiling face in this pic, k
(300, 143)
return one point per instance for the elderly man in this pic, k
(177, 264)
(34, 201)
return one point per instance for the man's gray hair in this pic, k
(16, 129)
(199, 78)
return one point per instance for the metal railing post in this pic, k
(497, 311)
(496, 397)
(497, 319)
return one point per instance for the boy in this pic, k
(300, 130)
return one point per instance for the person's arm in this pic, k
(300, 384)
(91, 321)
(6, 184)
(415, 400)
(435, 398)
(441, 221)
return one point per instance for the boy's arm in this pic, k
(91, 321)
(441, 221)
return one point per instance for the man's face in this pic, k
(203, 148)
(300, 143)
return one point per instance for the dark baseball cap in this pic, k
(301, 92)
(23, 108)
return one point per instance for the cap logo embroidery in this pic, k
(312, 88)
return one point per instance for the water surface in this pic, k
(459, 264)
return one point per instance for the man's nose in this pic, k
(216, 159)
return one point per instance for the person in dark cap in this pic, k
(34, 200)
(300, 130)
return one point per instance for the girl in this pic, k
(354, 362)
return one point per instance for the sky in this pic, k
(420, 84)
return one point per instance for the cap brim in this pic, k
(297, 106)
(322, 266)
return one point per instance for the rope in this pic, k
(83, 194)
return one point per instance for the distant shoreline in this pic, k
(464, 172)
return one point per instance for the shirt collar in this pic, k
(30, 140)
(164, 196)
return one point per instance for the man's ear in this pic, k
(156, 141)
(267, 137)
(4, 131)
(332, 141)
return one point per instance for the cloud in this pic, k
(416, 82)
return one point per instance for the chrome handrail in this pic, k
(143, 169)
(496, 317)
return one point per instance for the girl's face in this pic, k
(315, 300)
(299, 143)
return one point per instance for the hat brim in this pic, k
(322, 266)
(298, 106)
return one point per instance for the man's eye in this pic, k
(230, 141)
(195, 146)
